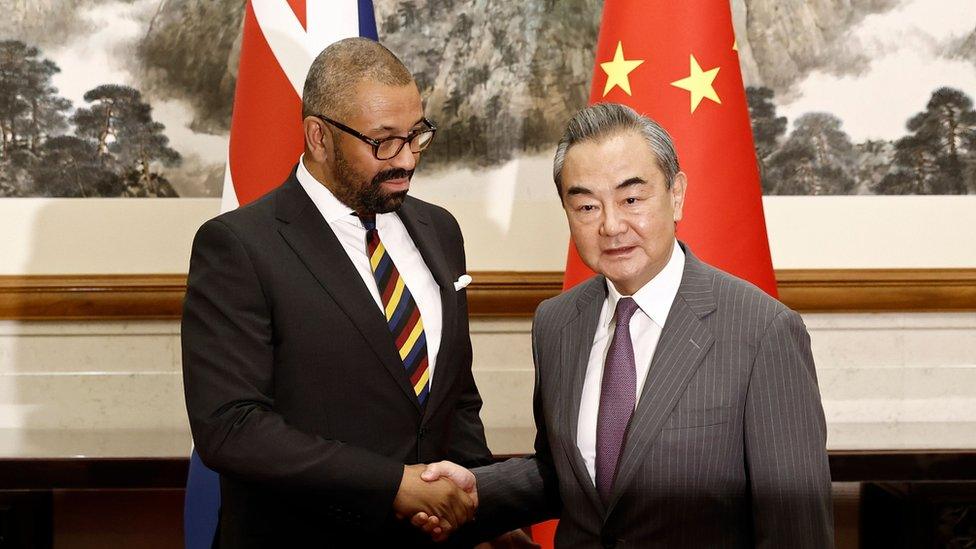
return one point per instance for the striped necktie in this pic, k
(402, 314)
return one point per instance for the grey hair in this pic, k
(610, 119)
(339, 67)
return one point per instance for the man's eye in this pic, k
(587, 208)
(632, 200)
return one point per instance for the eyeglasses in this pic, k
(389, 147)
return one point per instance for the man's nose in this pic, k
(404, 159)
(613, 224)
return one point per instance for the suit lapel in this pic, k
(428, 243)
(684, 342)
(576, 343)
(311, 238)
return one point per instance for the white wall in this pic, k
(512, 220)
(114, 388)
(99, 235)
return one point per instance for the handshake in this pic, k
(440, 497)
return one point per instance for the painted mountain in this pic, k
(846, 96)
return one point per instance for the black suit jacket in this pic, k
(295, 391)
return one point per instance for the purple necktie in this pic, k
(618, 395)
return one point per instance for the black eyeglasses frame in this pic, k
(377, 143)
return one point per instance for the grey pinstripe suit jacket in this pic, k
(725, 449)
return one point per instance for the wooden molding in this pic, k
(509, 293)
(91, 297)
(902, 465)
(877, 290)
(491, 294)
(87, 473)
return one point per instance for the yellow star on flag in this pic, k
(699, 83)
(618, 71)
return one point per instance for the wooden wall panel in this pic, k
(491, 294)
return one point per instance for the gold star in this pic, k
(618, 69)
(735, 45)
(699, 83)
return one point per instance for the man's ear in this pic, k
(318, 140)
(678, 188)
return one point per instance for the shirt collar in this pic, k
(655, 297)
(332, 209)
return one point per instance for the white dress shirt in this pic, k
(404, 253)
(654, 300)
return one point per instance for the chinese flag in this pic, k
(677, 63)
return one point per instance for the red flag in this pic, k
(677, 63)
(280, 40)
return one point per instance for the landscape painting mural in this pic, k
(132, 98)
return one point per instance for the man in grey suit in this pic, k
(675, 405)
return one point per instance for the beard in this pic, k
(367, 196)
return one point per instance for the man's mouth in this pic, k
(395, 180)
(397, 184)
(619, 251)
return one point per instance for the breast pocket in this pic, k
(698, 417)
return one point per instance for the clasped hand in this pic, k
(437, 498)
(439, 525)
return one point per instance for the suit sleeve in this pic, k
(228, 372)
(520, 491)
(468, 446)
(785, 439)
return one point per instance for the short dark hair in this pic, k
(339, 67)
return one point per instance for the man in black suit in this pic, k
(325, 329)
